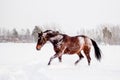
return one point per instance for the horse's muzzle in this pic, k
(38, 47)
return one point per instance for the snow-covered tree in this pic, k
(35, 32)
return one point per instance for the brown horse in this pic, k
(64, 44)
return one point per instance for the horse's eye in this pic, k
(41, 38)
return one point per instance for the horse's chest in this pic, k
(59, 46)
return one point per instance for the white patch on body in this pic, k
(81, 40)
(59, 43)
(58, 37)
(85, 41)
(88, 42)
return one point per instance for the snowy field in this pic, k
(21, 61)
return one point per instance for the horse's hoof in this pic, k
(76, 63)
(48, 63)
(88, 64)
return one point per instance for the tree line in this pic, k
(103, 34)
(15, 36)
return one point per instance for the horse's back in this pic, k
(72, 44)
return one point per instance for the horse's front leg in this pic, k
(56, 55)
(59, 55)
(60, 58)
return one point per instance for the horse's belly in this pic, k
(72, 50)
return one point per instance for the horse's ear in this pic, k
(56, 32)
(40, 34)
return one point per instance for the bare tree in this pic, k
(35, 32)
(15, 35)
(107, 35)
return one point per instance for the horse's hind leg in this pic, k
(87, 54)
(80, 57)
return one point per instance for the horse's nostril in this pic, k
(38, 47)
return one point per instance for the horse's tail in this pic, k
(97, 50)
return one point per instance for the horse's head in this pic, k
(43, 37)
(41, 40)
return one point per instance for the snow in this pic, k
(21, 61)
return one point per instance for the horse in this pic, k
(65, 44)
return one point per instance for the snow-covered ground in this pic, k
(21, 61)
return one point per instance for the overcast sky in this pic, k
(67, 13)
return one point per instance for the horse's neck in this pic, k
(56, 38)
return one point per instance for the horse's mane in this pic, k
(82, 36)
(47, 31)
